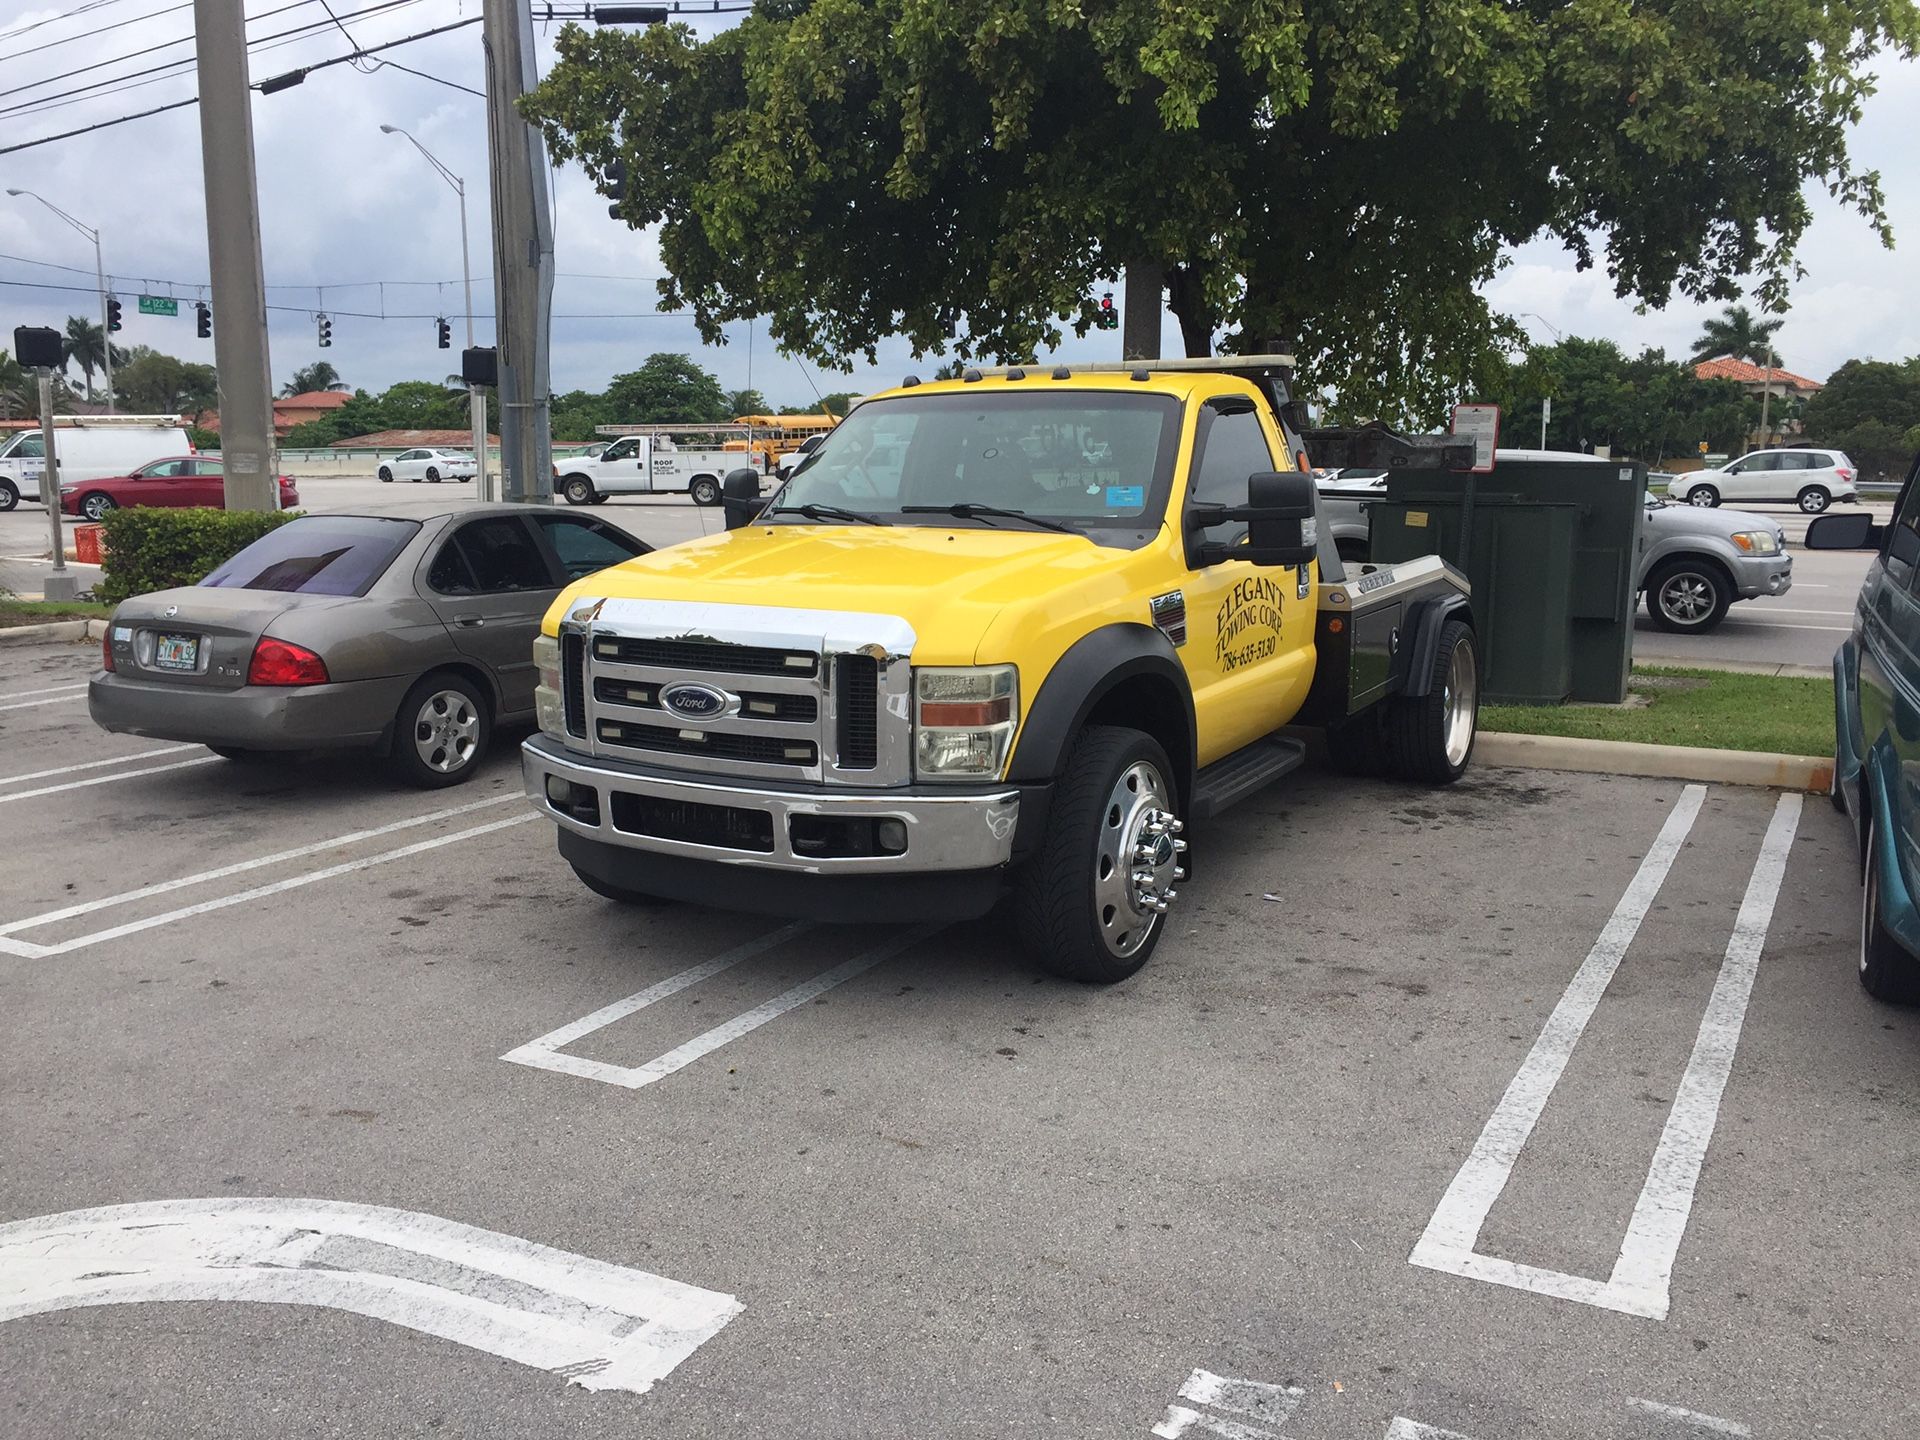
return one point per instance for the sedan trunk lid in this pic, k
(199, 635)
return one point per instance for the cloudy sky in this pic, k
(354, 221)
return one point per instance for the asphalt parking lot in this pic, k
(1544, 1106)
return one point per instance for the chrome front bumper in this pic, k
(964, 830)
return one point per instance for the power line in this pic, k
(102, 125)
(313, 285)
(94, 34)
(77, 11)
(374, 315)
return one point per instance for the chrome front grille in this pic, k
(752, 691)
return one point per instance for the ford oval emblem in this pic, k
(694, 702)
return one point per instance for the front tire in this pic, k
(1429, 738)
(386, 475)
(1887, 971)
(1704, 496)
(97, 507)
(9, 497)
(705, 490)
(578, 490)
(1091, 901)
(441, 732)
(1688, 597)
(1814, 499)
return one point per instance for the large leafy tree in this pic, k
(1871, 410)
(151, 383)
(1648, 406)
(1337, 177)
(666, 389)
(14, 386)
(1737, 333)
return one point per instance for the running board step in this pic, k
(1232, 779)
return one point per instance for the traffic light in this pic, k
(1109, 317)
(113, 312)
(202, 319)
(324, 326)
(445, 333)
(616, 186)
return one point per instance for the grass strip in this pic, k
(1714, 709)
(45, 612)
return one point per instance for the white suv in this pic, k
(1811, 479)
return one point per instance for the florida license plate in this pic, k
(176, 652)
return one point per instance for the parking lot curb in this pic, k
(53, 630)
(1666, 762)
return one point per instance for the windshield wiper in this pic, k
(967, 510)
(828, 512)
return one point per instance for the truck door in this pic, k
(621, 467)
(1249, 650)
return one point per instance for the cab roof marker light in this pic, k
(1061, 372)
(970, 376)
(1016, 374)
(1215, 364)
(909, 382)
(1139, 372)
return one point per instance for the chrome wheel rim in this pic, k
(579, 492)
(96, 507)
(1701, 498)
(446, 732)
(705, 492)
(1460, 702)
(1687, 598)
(1138, 858)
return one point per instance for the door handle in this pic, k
(470, 622)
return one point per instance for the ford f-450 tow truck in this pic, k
(1025, 631)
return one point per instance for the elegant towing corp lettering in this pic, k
(1247, 627)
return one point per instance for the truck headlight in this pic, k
(964, 719)
(549, 706)
(1758, 542)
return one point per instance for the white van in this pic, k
(90, 447)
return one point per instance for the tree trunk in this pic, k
(1186, 297)
(1140, 302)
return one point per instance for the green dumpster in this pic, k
(1550, 548)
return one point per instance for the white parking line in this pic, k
(1642, 1274)
(1404, 1429)
(1694, 1418)
(94, 764)
(1740, 622)
(34, 704)
(597, 1325)
(106, 779)
(544, 1053)
(27, 950)
(44, 690)
(87, 907)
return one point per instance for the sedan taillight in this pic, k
(277, 662)
(106, 649)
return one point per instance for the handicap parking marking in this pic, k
(1641, 1278)
(545, 1052)
(597, 1325)
(30, 950)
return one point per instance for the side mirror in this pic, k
(1279, 516)
(740, 496)
(1845, 532)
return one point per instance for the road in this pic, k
(1800, 628)
(374, 1059)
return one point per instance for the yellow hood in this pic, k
(947, 584)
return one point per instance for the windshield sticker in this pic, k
(1126, 497)
(1247, 627)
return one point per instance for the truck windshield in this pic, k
(1089, 459)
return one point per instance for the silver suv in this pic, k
(1810, 478)
(1694, 562)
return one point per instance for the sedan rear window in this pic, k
(318, 555)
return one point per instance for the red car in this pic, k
(180, 482)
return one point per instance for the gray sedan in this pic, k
(407, 633)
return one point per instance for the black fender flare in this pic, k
(1090, 670)
(1427, 621)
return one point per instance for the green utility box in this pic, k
(1551, 548)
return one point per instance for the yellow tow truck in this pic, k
(1013, 633)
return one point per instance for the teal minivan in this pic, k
(1876, 761)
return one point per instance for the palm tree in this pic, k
(13, 386)
(86, 346)
(320, 375)
(1737, 334)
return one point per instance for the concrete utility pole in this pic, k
(1146, 288)
(476, 402)
(60, 584)
(1766, 402)
(522, 256)
(233, 248)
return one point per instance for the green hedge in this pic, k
(151, 549)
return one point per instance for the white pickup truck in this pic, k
(645, 465)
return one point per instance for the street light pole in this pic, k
(1546, 401)
(476, 404)
(100, 280)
